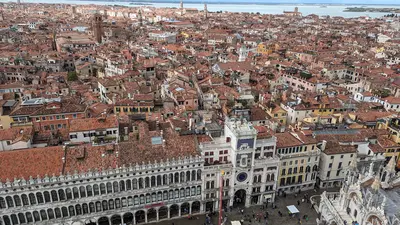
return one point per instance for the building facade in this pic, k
(132, 195)
(369, 198)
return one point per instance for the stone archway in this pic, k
(374, 220)
(239, 198)
(140, 216)
(103, 221)
(116, 220)
(185, 208)
(163, 213)
(195, 207)
(151, 215)
(174, 211)
(128, 218)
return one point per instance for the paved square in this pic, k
(273, 219)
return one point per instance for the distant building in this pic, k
(97, 27)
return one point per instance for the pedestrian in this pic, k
(173, 223)
(298, 202)
(253, 216)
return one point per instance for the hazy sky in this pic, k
(361, 2)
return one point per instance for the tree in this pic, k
(72, 76)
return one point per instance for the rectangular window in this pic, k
(74, 116)
(328, 174)
(73, 136)
(338, 173)
(58, 117)
(330, 165)
(43, 118)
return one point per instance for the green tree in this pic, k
(72, 76)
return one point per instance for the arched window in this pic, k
(82, 191)
(272, 177)
(39, 197)
(64, 211)
(50, 214)
(115, 187)
(308, 169)
(111, 204)
(255, 179)
(76, 192)
(36, 216)
(227, 182)
(295, 170)
(212, 184)
(98, 206)
(32, 198)
(25, 200)
(68, 193)
(159, 180)
(29, 217)
(3, 203)
(105, 205)
(10, 202)
(301, 169)
(198, 174)
(128, 185)
(140, 183)
(92, 209)
(21, 218)
(89, 190)
(187, 175)
(54, 196)
(134, 184)
(208, 185)
(176, 177)
(171, 178)
(198, 190)
(289, 171)
(122, 185)
(57, 212)
(283, 172)
(165, 179)
(182, 179)
(193, 175)
(61, 194)
(147, 182)
(71, 210)
(47, 196)
(17, 200)
(153, 181)
(109, 187)
(117, 203)
(14, 219)
(78, 209)
(6, 220)
(103, 189)
(355, 213)
(96, 190)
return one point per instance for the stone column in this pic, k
(190, 208)
(168, 213)
(134, 218)
(158, 216)
(145, 217)
(179, 210)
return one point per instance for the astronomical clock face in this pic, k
(241, 177)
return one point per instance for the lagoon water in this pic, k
(306, 9)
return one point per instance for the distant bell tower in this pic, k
(54, 41)
(73, 11)
(296, 9)
(19, 2)
(140, 17)
(205, 11)
(181, 7)
(97, 27)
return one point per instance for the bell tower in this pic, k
(97, 27)
(181, 7)
(205, 11)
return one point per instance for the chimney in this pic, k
(323, 146)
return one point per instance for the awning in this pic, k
(235, 223)
(292, 209)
